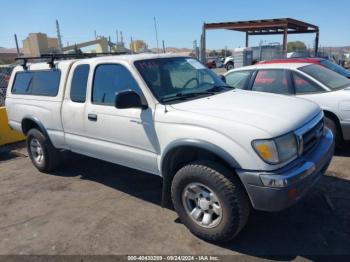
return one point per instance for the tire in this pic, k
(229, 66)
(226, 188)
(330, 123)
(42, 153)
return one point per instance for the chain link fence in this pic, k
(5, 73)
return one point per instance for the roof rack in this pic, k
(51, 58)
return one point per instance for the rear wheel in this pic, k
(210, 201)
(43, 154)
(331, 124)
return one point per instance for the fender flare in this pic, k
(37, 122)
(198, 143)
(215, 149)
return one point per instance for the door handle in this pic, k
(135, 121)
(138, 122)
(92, 117)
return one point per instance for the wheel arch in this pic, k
(335, 118)
(181, 152)
(230, 62)
(29, 122)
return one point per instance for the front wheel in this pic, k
(229, 66)
(210, 201)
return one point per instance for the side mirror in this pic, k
(129, 99)
(223, 78)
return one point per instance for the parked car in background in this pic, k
(214, 62)
(318, 61)
(219, 61)
(306, 80)
(220, 151)
(211, 63)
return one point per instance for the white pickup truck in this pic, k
(220, 151)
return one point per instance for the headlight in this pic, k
(278, 150)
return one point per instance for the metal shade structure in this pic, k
(278, 26)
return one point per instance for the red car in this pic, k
(318, 61)
(211, 63)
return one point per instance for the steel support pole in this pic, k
(316, 42)
(285, 34)
(203, 46)
(246, 39)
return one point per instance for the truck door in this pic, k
(123, 136)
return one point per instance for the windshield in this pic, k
(179, 78)
(336, 68)
(327, 77)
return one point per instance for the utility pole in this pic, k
(131, 45)
(121, 38)
(116, 31)
(195, 49)
(163, 47)
(156, 31)
(59, 36)
(16, 41)
(95, 34)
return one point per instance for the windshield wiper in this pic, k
(182, 96)
(218, 88)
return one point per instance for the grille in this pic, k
(312, 137)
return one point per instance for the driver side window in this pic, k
(110, 79)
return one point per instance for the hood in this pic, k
(275, 114)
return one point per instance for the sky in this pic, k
(179, 21)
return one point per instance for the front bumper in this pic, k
(277, 190)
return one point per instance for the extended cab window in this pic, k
(271, 81)
(303, 85)
(79, 83)
(238, 79)
(22, 83)
(110, 79)
(43, 83)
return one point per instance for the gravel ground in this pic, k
(93, 207)
(219, 71)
